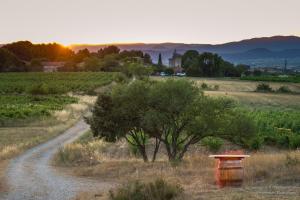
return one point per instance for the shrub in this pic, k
(284, 89)
(294, 141)
(204, 86)
(263, 87)
(216, 87)
(256, 143)
(157, 190)
(39, 89)
(120, 78)
(214, 144)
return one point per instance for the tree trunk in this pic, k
(143, 152)
(157, 144)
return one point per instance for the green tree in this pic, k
(108, 51)
(189, 58)
(9, 62)
(136, 70)
(120, 115)
(159, 62)
(181, 116)
(147, 59)
(92, 64)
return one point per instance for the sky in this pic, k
(148, 21)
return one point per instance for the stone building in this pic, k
(175, 61)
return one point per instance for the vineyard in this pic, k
(34, 95)
(53, 83)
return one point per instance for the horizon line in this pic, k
(145, 43)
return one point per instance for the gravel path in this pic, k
(31, 176)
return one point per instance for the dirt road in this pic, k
(31, 176)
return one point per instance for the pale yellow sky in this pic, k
(149, 21)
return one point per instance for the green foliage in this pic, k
(24, 106)
(214, 144)
(157, 190)
(25, 50)
(277, 127)
(243, 130)
(34, 95)
(173, 112)
(209, 65)
(293, 79)
(255, 143)
(137, 70)
(159, 62)
(204, 86)
(284, 89)
(107, 51)
(263, 87)
(119, 115)
(9, 62)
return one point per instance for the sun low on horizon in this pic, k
(143, 21)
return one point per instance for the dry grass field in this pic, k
(268, 174)
(256, 99)
(243, 92)
(236, 85)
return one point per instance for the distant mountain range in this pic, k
(257, 52)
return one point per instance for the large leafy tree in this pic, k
(180, 116)
(9, 62)
(174, 113)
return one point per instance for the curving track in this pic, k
(31, 176)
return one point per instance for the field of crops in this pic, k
(34, 95)
(292, 79)
(53, 83)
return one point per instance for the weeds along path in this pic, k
(31, 176)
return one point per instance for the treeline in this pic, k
(27, 51)
(210, 65)
(110, 58)
(24, 56)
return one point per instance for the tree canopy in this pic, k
(209, 65)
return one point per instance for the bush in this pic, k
(256, 143)
(157, 190)
(204, 86)
(214, 144)
(39, 89)
(216, 87)
(284, 89)
(294, 141)
(263, 87)
(120, 78)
